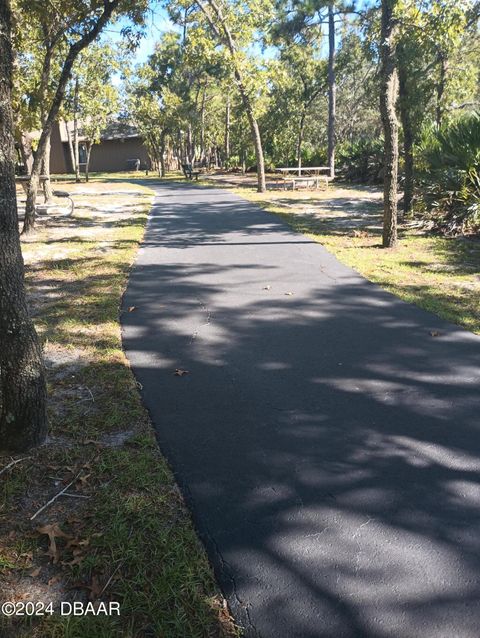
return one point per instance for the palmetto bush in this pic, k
(450, 175)
(362, 160)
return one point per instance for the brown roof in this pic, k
(114, 131)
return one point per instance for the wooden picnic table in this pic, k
(303, 169)
(297, 177)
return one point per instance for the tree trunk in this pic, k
(87, 159)
(163, 136)
(247, 104)
(388, 97)
(443, 61)
(332, 89)
(300, 142)
(70, 147)
(180, 159)
(261, 185)
(23, 419)
(73, 52)
(408, 137)
(47, 186)
(227, 132)
(190, 157)
(202, 124)
(44, 82)
(75, 131)
(26, 151)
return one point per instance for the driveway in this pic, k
(327, 444)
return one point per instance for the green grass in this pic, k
(133, 532)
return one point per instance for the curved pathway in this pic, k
(327, 444)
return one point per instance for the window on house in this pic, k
(82, 154)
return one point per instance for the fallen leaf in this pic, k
(82, 481)
(75, 542)
(35, 572)
(434, 333)
(180, 373)
(78, 558)
(132, 308)
(53, 532)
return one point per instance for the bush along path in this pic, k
(94, 515)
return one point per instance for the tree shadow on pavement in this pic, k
(327, 443)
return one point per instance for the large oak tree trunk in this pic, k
(332, 89)
(388, 97)
(23, 420)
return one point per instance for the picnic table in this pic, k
(42, 209)
(297, 178)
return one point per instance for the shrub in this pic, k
(361, 160)
(449, 161)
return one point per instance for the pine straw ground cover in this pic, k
(441, 275)
(123, 532)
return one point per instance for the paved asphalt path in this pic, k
(327, 444)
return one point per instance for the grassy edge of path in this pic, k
(125, 534)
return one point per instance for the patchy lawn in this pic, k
(121, 532)
(438, 274)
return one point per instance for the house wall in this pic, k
(108, 156)
(59, 158)
(112, 155)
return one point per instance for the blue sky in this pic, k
(157, 22)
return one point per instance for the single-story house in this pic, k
(120, 146)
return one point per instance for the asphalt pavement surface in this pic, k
(326, 435)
